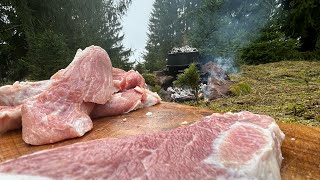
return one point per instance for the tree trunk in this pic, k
(309, 39)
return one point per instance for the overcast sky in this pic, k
(135, 26)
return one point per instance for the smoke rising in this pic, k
(224, 28)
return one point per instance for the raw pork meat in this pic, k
(124, 102)
(221, 146)
(16, 94)
(127, 80)
(10, 118)
(61, 112)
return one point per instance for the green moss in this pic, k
(150, 79)
(155, 88)
(289, 91)
(241, 88)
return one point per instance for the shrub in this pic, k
(190, 78)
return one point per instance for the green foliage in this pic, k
(155, 88)
(44, 65)
(273, 46)
(302, 20)
(169, 25)
(150, 79)
(190, 78)
(241, 88)
(39, 37)
(221, 28)
(140, 67)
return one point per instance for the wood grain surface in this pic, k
(301, 147)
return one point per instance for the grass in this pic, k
(289, 91)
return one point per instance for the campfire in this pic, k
(215, 82)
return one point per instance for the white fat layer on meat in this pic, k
(135, 106)
(264, 164)
(13, 123)
(79, 126)
(17, 93)
(4, 176)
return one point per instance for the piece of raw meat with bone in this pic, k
(221, 146)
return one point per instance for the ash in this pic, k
(184, 94)
(184, 49)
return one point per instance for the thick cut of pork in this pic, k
(16, 94)
(127, 80)
(126, 101)
(10, 118)
(62, 111)
(221, 146)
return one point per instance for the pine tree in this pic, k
(51, 31)
(190, 78)
(169, 26)
(302, 20)
(223, 27)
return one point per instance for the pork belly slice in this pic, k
(127, 80)
(125, 102)
(221, 146)
(62, 111)
(16, 94)
(10, 118)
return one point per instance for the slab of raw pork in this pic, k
(61, 112)
(126, 101)
(127, 80)
(10, 118)
(120, 103)
(16, 94)
(221, 146)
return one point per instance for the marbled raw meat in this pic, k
(62, 111)
(16, 94)
(10, 118)
(127, 80)
(126, 101)
(221, 146)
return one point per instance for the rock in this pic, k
(211, 69)
(160, 73)
(165, 81)
(165, 95)
(217, 88)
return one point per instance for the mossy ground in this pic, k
(289, 91)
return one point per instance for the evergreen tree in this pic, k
(302, 20)
(51, 31)
(271, 46)
(223, 27)
(190, 78)
(169, 26)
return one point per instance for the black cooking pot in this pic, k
(183, 59)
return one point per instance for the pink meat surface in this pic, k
(221, 146)
(10, 118)
(61, 112)
(126, 101)
(16, 94)
(127, 80)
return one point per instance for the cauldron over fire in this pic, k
(180, 58)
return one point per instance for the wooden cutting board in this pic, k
(301, 147)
